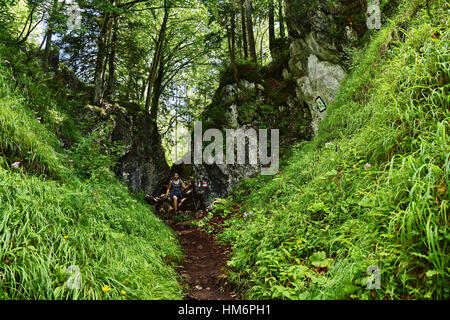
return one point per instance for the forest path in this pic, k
(203, 265)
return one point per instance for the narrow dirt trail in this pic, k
(203, 264)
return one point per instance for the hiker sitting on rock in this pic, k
(174, 188)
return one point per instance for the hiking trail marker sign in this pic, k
(320, 104)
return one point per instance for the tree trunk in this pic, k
(244, 31)
(23, 36)
(48, 44)
(251, 35)
(233, 41)
(112, 58)
(156, 62)
(49, 35)
(101, 60)
(29, 20)
(233, 33)
(229, 39)
(281, 19)
(271, 26)
(38, 50)
(143, 87)
(107, 56)
(157, 91)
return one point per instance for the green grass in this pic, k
(371, 189)
(63, 207)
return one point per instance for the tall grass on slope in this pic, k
(22, 137)
(371, 190)
(120, 248)
(64, 217)
(37, 115)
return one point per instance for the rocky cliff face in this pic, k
(262, 98)
(221, 178)
(322, 32)
(141, 162)
(287, 94)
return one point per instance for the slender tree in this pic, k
(30, 23)
(251, 35)
(271, 25)
(281, 19)
(100, 64)
(112, 56)
(233, 40)
(49, 35)
(158, 88)
(244, 29)
(156, 62)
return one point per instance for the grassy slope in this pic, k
(371, 189)
(64, 207)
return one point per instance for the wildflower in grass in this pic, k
(123, 292)
(66, 237)
(70, 160)
(106, 288)
(368, 165)
(16, 165)
(328, 144)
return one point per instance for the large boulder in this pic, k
(263, 98)
(221, 179)
(142, 163)
(323, 33)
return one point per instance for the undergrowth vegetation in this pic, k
(370, 190)
(68, 228)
